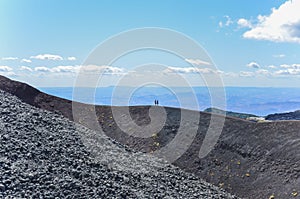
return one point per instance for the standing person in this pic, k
(157, 102)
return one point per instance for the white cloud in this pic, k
(230, 74)
(26, 60)
(292, 66)
(89, 69)
(257, 73)
(282, 70)
(71, 58)
(253, 65)
(47, 57)
(286, 72)
(244, 23)
(246, 74)
(9, 58)
(228, 22)
(102, 69)
(279, 56)
(8, 74)
(5, 69)
(26, 68)
(292, 70)
(296, 66)
(262, 72)
(42, 69)
(57, 69)
(272, 66)
(220, 24)
(65, 69)
(282, 25)
(187, 70)
(198, 62)
(285, 66)
(113, 70)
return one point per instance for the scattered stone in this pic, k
(2, 187)
(295, 193)
(44, 155)
(269, 150)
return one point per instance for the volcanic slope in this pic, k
(250, 160)
(43, 154)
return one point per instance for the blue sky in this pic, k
(253, 43)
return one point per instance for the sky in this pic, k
(250, 43)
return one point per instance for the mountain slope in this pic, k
(229, 113)
(44, 155)
(36, 98)
(251, 160)
(285, 116)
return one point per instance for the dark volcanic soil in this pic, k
(251, 160)
(44, 155)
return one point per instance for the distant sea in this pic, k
(258, 101)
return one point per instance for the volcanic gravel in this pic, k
(44, 155)
(251, 159)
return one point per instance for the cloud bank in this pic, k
(26, 60)
(282, 25)
(5, 68)
(47, 57)
(198, 62)
(9, 58)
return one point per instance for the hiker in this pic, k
(157, 102)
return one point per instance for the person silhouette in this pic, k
(155, 102)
